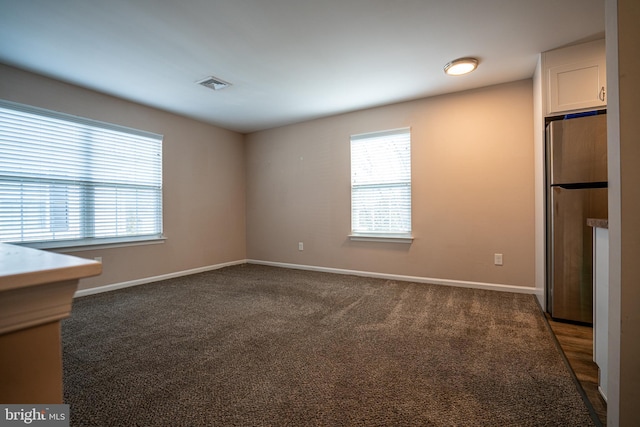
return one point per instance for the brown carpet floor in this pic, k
(253, 345)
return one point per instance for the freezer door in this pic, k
(572, 251)
(577, 151)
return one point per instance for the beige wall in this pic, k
(473, 189)
(623, 127)
(203, 173)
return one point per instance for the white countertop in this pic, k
(21, 266)
(37, 287)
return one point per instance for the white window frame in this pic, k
(88, 184)
(395, 175)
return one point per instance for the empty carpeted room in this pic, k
(301, 218)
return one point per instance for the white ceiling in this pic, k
(287, 60)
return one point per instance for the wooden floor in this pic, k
(577, 343)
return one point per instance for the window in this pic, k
(69, 181)
(381, 185)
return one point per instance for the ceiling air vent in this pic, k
(213, 83)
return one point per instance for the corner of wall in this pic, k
(538, 146)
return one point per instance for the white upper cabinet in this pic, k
(575, 78)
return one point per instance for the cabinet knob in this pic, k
(601, 94)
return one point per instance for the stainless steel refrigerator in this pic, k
(576, 176)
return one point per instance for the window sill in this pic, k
(382, 238)
(91, 244)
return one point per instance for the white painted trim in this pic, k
(381, 238)
(604, 396)
(418, 279)
(113, 287)
(114, 244)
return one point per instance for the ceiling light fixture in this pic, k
(461, 66)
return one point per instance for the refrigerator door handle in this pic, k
(582, 185)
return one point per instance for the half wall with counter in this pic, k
(36, 292)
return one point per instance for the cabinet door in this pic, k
(577, 86)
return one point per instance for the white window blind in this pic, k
(66, 180)
(381, 183)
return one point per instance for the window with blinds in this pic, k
(70, 181)
(381, 184)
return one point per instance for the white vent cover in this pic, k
(213, 83)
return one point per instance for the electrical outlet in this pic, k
(497, 259)
(300, 246)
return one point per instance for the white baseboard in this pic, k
(604, 396)
(418, 279)
(113, 287)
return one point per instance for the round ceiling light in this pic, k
(461, 66)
